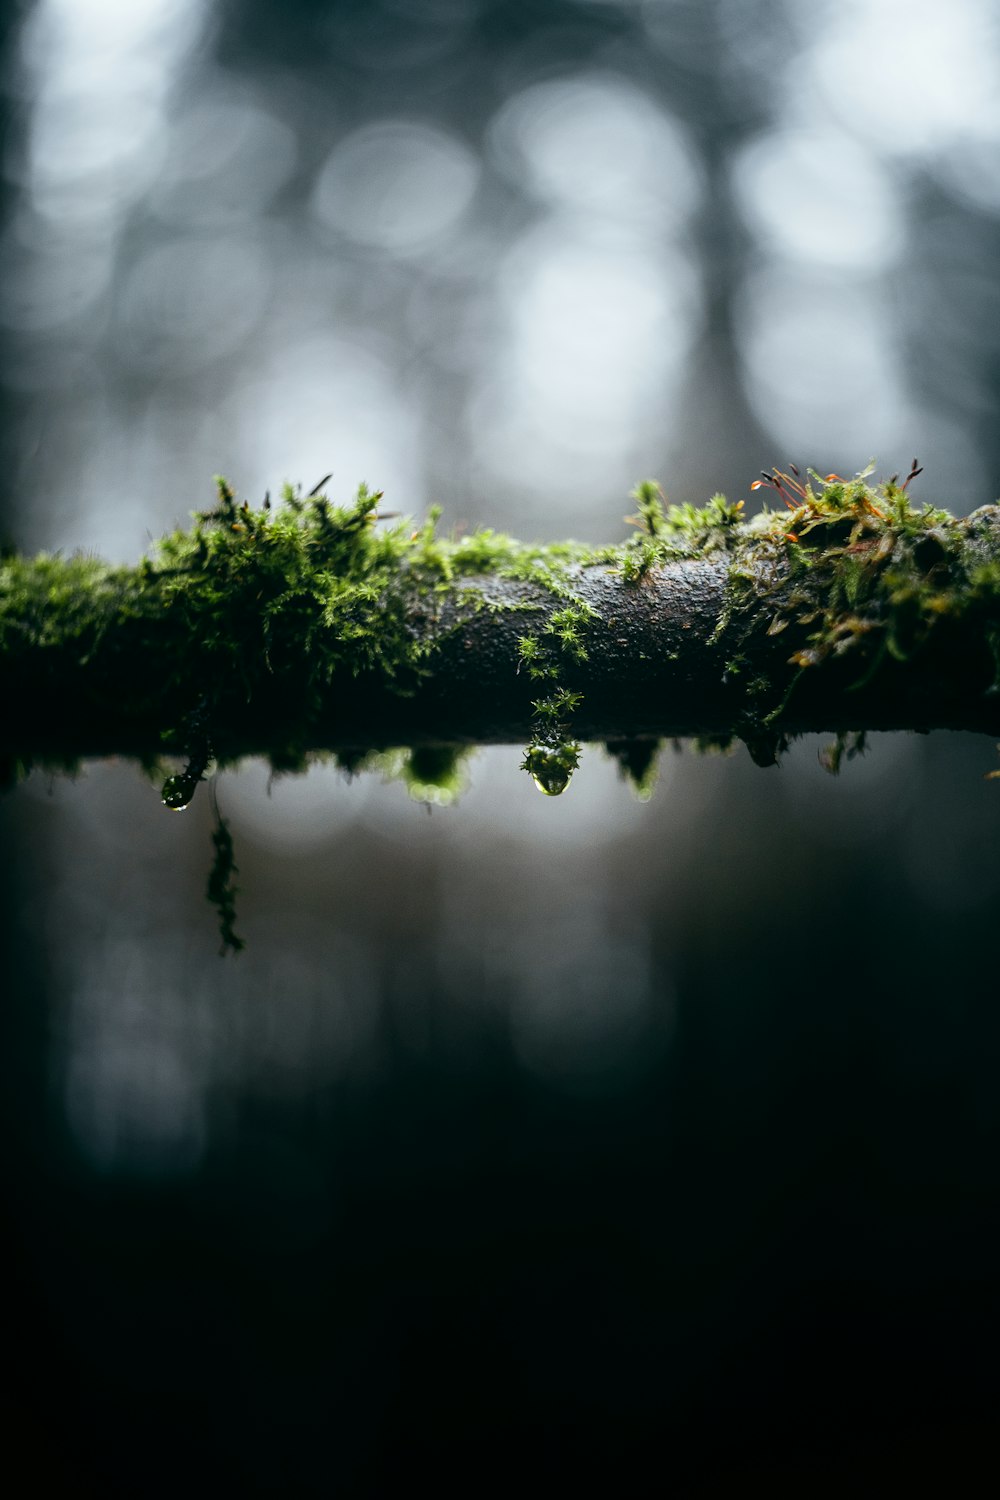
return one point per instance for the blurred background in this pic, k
(529, 1140)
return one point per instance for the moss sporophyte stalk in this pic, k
(308, 627)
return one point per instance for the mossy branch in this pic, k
(307, 626)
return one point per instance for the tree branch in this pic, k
(309, 627)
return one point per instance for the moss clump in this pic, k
(263, 615)
(551, 764)
(668, 533)
(436, 774)
(638, 763)
(857, 576)
(284, 606)
(222, 889)
(553, 755)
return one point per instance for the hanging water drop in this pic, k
(551, 767)
(178, 791)
(552, 782)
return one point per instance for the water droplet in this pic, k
(178, 791)
(550, 773)
(551, 765)
(552, 784)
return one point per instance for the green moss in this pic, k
(433, 774)
(531, 657)
(551, 764)
(715, 744)
(307, 592)
(848, 575)
(670, 532)
(436, 774)
(853, 575)
(568, 625)
(222, 890)
(638, 763)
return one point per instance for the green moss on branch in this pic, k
(312, 626)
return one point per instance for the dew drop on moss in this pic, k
(552, 784)
(178, 791)
(550, 774)
(551, 766)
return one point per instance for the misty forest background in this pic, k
(580, 1129)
